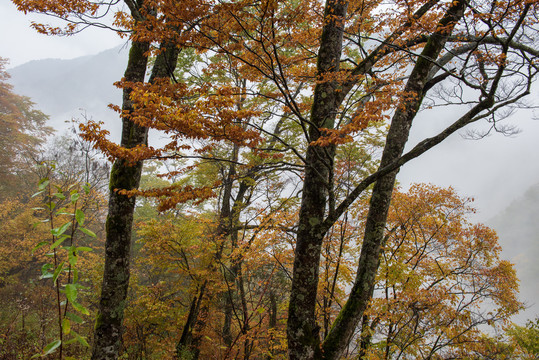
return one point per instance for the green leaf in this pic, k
(79, 216)
(45, 274)
(63, 213)
(88, 232)
(81, 340)
(57, 271)
(59, 195)
(43, 183)
(79, 286)
(39, 245)
(49, 349)
(62, 229)
(59, 241)
(71, 293)
(84, 248)
(72, 256)
(66, 326)
(80, 308)
(38, 193)
(77, 337)
(86, 188)
(70, 341)
(74, 317)
(74, 197)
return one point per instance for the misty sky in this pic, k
(21, 44)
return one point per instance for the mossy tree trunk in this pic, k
(108, 327)
(302, 330)
(344, 326)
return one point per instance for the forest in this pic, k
(267, 222)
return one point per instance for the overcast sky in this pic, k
(21, 44)
(494, 170)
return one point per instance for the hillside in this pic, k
(518, 229)
(66, 89)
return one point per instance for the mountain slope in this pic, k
(518, 229)
(66, 89)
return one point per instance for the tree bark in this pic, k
(108, 326)
(345, 324)
(188, 346)
(302, 330)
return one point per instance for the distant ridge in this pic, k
(61, 88)
(518, 228)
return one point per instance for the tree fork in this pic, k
(361, 293)
(302, 330)
(108, 326)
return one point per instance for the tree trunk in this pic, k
(341, 333)
(302, 330)
(188, 346)
(108, 327)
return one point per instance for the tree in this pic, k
(526, 338)
(432, 39)
(440, 281)
(23, 131)
(51, 222)
(125, 173)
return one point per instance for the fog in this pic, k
(493, 170)
(501, 174)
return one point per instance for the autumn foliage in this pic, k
(270, 227)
